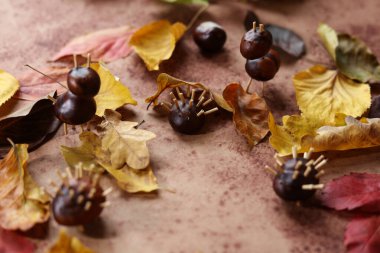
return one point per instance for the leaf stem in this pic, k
(196, 16)
(51, 78)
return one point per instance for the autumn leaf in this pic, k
(329, 39)
(322, 93)
(68, 244)
(250, 113)
(355, 60)
(11, 242)
(91, 154)
(112, 94)
(34, 86)
(126, 144)
(104, 45)
(22, 202)
(357, 191)
(165, 81)
(156, 42)
(33, 125)
(8, 86)
(363, 235)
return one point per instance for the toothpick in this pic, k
(279, 161)
(80, 199)
(75, 60)
(65, 128)
(165, 106)
(107, 191)
(192, 94)
(200, 101)
(172, 95)
(191, 103)
(261, 27)
(320, 173)
(68, 171)
(295, 174)
(207, 102)
(307, 171)
(88, 60)
(200, 113)
(95, 180)
(298, 165)
(312, 186)
(211, 111)
(319, 165)
(92, 192)
(87, 206)
(309, 163)
(175, 101)
(71, 193)
(105, 204)
(319, 159)
(271, 170)
(307, 155)
(188, 91)
(203, 93)
(294, 152)
(254, 25)
(182, 98)
(177, 90)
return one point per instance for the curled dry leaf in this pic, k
(10, 242)
(34, 86)
(90, 153)
(362, 235)
(126, 144)
(33, 125)
(322, 93)
(329, 39)
(106, 45)
(357, 191)
(165, 81)
(250, 113)
(8, 86)
(287, 40)
(68, 244)
(355, 60)
(23, 203)
(156, 42)
(112, 94)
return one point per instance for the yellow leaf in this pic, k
(68, 244)
(156, 42)
(112, 93)
(126, 144)
(322, 93)
(22, 202)
(8, 86)
(90, 153)
(294, 128)
(165, 81)
(354, 135)
(329, 39)
(134, 181)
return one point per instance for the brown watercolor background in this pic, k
(224, 200)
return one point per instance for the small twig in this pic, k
(51, 78)
(142, 122)
(248, 86)
(196, 16)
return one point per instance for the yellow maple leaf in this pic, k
(322, 93)
(8, 86)
(112, 93)
(68, 244)
(91, 154)
(155, 42)
(126, 144)
(22, 202)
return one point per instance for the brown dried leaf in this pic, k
(250, 113)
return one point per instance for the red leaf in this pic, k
(35, 86)
(363, 235)
(359, 191)
(11, 242)
(106, 45)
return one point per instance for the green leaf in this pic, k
(329, 39)
(186, 1)
(355, 60)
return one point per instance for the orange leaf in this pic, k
(106, 45)
(250, 113)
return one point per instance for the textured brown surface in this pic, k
(223, 200)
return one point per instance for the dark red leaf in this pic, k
(10, 242)
(359, 191)
(363, 235)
